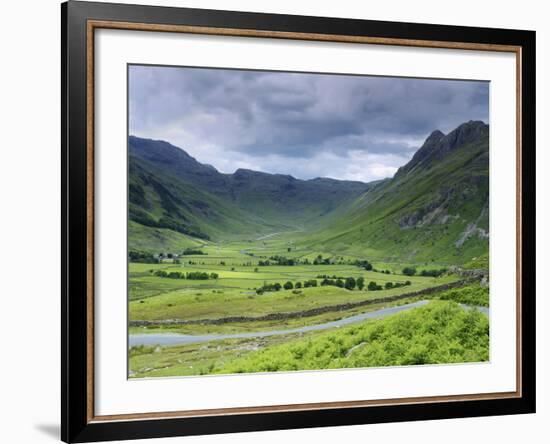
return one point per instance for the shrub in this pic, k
(193, 251)
(433, 273)
(198, 275)
(470, 295)
(142, 257)
(441, 332)
(364, 264)
(373, 286)
(288, 285)
(409, 271)
(282, 260)
(350, 283)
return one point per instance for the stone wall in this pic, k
(305, 313)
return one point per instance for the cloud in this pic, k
(307, 125)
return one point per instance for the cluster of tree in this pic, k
(320, 261)
(288, 285)
(326, 276)
(281, 260)
(363, 263)
(192, 275)
(373, 286)
(409, 271)
(433, 273)
(310, 283)
(142, 257)
(381, 271)
(276, 286)
(269, 287)
(348, 283)
(171, 256)
(192, 251)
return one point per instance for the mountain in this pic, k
(435, 208)
(169, 189)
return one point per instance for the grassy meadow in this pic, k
(236, 271)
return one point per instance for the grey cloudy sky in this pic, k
(306, 125)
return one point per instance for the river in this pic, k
(181, 339)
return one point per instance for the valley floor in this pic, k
(301, 327)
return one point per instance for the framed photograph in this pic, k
(276, 221)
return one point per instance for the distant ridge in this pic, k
(190, 196)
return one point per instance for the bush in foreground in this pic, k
(469, 295)
(440, 332)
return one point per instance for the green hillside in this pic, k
(170, 190)
(434, 209)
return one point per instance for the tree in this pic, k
(298, 285)
(276, 286)
(373, 286)
(289, 249)
(364, 263)
(388, 285)
(350, 283)
(142, 257)
(340, 283)
(256, 270)
(409, 271)
(360, 283)
(288, 285)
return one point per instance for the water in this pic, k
(180, 339)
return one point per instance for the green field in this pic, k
(233, 293)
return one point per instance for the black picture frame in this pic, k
(76, 423)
